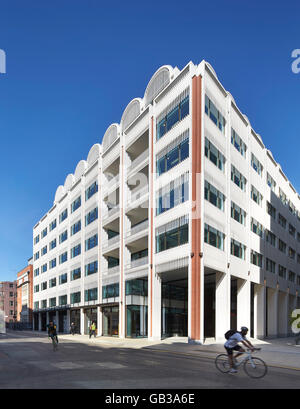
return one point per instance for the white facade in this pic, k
(133, 237)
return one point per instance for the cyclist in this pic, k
(52, 331)
(232, 345)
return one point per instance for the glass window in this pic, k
(282, 246)
(214, 114)
(238, 178)
(238, 214)
(173, 158)
(173, 237)
(76, 251)
(172, 118)
(63, 258)
(91, 216)
(63, 236)
(110, 291)
(52, 263)
(256, 258)
(282, 220)
(270, 238)
(76, 227)
(270, 265)
(91, 190)
(76, 204)
(75, 297)
(52, 225)
(91, 295)
(281, 271)
(91, 242)
(214, 196)
(184, 150)
(271, 210)
(52, 302)
(257, 166)
(63, 215)
(271, 182)
(161, 165)
(63, 299)
(215, 156)
(184, 107)
(238, 143)
(75, 274)
(63, 278)
(91, 268)
(112, 262)
(238, 249)
(256, 196)
(213, 237)
(137, 287)
(175, 192)
(52, 244)
(176, 114)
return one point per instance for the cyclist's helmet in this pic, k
(244, 329)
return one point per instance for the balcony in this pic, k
(110, 272)
(109, 213)
(138, 228)
(136, 194)
(137, 268)
(107, 244)
(137, 161)
(138, 262)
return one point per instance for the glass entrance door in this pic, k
(136, 321)
(90, 317)
(75, 318)
(110, 321)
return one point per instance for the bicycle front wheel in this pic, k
(255, 368)
(54, 343)
(222, 363)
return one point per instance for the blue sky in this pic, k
(73, 66)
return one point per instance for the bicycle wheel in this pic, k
(255, 368)
(222, 363)
(54, 342)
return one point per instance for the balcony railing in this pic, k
(111, 271)
(110, 212)
(111, 182)
(111, 242)
(137, 194)
(138, 262)
(138, 228)
(138, 160)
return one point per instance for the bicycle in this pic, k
(54, 342)
(254, 367)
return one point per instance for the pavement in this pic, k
(27, 361)
(278, 352)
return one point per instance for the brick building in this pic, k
(8, 300)
(25, 295)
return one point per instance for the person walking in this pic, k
(93, 329)
(72, 328)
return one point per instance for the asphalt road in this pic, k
(28, 362)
